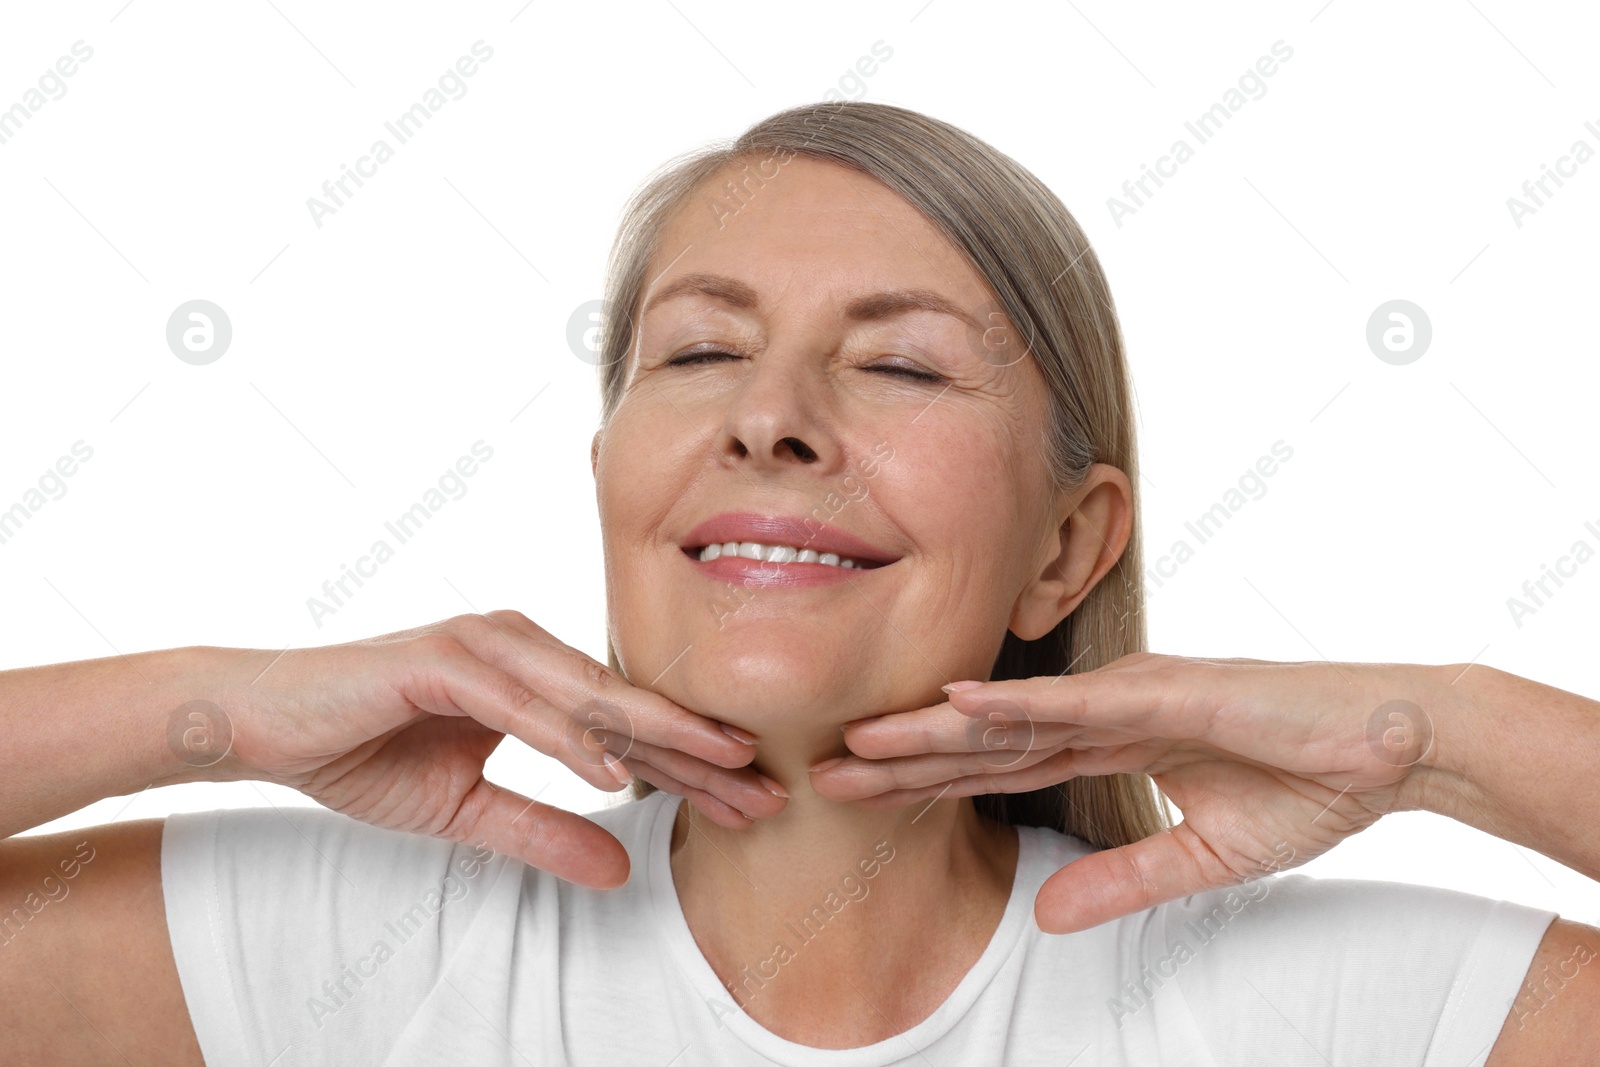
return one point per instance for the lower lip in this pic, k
(760, 574)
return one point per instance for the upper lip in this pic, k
(793, 530)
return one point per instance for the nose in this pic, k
(774, 420)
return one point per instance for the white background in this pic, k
(428, 311)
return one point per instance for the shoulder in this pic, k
(1412, 970)
(306, 844)
(301, 927)
(1353, 920)
(317, 866)
(1552, 1018)
(1361, 970)
(283, 921)
(262, 858)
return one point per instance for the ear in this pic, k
(1096, 520)
(594, 454)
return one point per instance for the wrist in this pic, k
(206, 697)
(79, 732)
(1512, 757)
(1455, 712)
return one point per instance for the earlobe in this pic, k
(594, 454)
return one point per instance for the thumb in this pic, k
(541, 835)
(1114, 882)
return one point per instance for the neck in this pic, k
(900, 900)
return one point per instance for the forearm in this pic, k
(75, 733)
(1516, 759)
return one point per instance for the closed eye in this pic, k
(704, 356)
(917, 374)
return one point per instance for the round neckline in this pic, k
(725, 1010)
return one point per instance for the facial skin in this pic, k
(963, 503)
(806, 417)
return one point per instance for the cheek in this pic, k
(633, 489)
(969, 492)
(639, 462)
(965, 481)
(649, 461)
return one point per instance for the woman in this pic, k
(866, 440)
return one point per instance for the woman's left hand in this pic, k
(1271, 764)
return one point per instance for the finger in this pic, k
(741, 789)
(1093, 698)
(591, 691)
(1231, 705)
(1114, 882)
(549, 838)
(942, 729)
(452, 680)
(1052, 770)
(449, 680)
(856, 778)
(939, 728)
(714, 809)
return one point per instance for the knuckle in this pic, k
(509, 616)
(718, 781)
(462, 823)
(610, 723)
(523, 701)
(437, 645)
(977, 765)
(594, 731)
(596, 674)
(472, 629)
(580, 748)
(512, 622)
(903, 775)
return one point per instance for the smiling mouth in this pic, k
(783, 555)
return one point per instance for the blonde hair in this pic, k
(1051, 290)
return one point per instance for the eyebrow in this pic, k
(869, 308)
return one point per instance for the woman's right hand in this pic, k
(394, 730)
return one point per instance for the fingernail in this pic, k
(618, 771)
(960, 687)
(825, 764)
(737, 734)
(773, 787)
(860, 722)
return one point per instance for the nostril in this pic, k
(799, 448)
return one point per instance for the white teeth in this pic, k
(774, 554)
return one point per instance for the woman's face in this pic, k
(792, 383)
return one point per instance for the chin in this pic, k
(768, 684)
(763, 672)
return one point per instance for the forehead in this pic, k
(830, 229)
